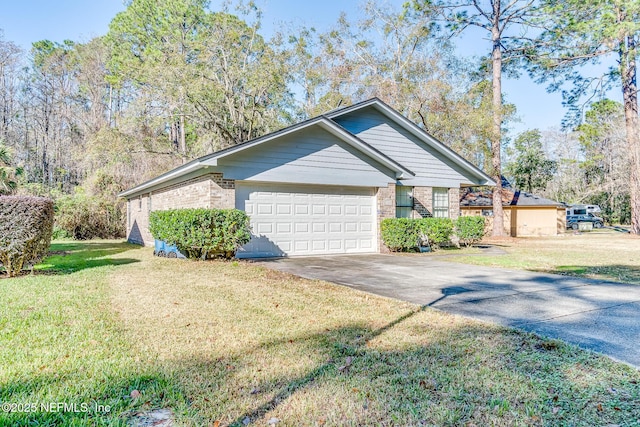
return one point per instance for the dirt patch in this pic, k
(153, 418)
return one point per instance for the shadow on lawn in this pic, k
(439, 381)
(342, 354)
(435, 383)
(69, 257)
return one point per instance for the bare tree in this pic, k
(10, 59)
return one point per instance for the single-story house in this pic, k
(321, 186)
(525, 214)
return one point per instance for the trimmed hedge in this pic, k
(436, 231)
(400, 234)
(202, 233)
(406, 234)
(470, 229)
(26, 225)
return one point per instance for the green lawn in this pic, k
(601, 254)
(226, 343)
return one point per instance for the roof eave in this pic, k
(172, 174)
(324, 122)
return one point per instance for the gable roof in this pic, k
(418, 132)
(322, 121)
(327, 123)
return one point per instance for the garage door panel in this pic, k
(335, 244)
(351, 227)
(263, 228)
(319, 227)
(307, 220)
(319, 209)
(301, 227)
(318, 245)
(283, 228)
(285, 246)
(301, 246)
(265, 209)
(282, 209)
(302, 209)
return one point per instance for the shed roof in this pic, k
(483, 197)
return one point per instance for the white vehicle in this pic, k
(583, 210)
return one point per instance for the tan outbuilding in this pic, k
(525, 214)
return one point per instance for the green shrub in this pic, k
(437, 231)
(202, 233)
(60, 233)
(399, 234)
(26, 225)
(470, 229)
(84, 217)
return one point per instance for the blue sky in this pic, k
(26, 21)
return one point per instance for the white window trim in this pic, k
(439, 209)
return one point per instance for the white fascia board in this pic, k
(354, 107)
(330, 127)
(212, 159)
(183, 170)
(266, 138)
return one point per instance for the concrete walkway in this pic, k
(597, 315)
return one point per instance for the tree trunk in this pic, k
(183, 140)
(496, 172)
(110, 105)
(630, 97)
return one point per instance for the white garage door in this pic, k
(307, 219)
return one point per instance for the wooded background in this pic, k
(174, 80)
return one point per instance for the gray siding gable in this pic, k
(314, 156)
(431, 168)
(366, 144)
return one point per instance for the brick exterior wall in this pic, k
(454, 203)
(422, 205)
(223, 192)
(214, 191)
(138, 220)
(208, 191)
(386, 205)
(422, 202)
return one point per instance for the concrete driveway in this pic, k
(597, 315)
